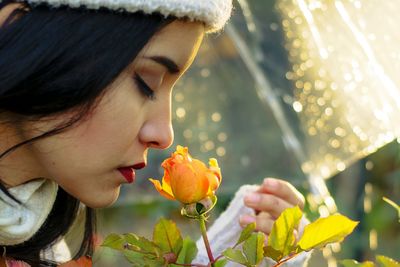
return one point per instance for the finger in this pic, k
(296, 234)
(246, 219)
(266, 203)
(284, 190)
(264, 223)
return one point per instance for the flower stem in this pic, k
(285, 260)
(205, 238)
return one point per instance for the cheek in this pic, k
(97, 144)
(110, 131)
(114, 125)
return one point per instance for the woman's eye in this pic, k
(144, 88)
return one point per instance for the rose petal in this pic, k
(213, 182)
(213, 163)
(160, 189)
(186, 179)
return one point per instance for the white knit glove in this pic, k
(226, 230)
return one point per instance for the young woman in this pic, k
(85, 92)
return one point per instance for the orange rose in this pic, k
(186, 179)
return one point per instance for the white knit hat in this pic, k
(214, 13)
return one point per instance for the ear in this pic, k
(7, 10)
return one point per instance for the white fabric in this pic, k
(226, 230)
(19, 222)
(59, 252)
(214, 13)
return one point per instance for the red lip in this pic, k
(128, 173)
(139, 166)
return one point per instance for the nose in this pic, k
(157, 131)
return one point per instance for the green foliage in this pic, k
(235, 255)
(386, 261)
(220, 263)
(272, 253)
(253, 249)
(137, 250)
(188, 251)
(246, 233)
(167, 243)
(353, 263)
(167, 248)
(141, 245)
(139, 259)
(252, 253)
(282, 239)
(382, 260)
(114, 241)
(167, 236)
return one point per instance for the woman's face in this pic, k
(86, 160)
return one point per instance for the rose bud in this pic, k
(186, 179)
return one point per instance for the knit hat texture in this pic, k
(214, 13)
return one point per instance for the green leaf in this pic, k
(253, 248)
(220, 263)
(142, 245)
(326, 230)
(353, 263)
(141, 260)
(235, 255)
(270, 252)
(188, 251)
(167, 236)
(386, 261)
(114, 241)
(246, 233)
(282, 238)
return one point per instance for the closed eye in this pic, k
(144, 88)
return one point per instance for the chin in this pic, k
(101, 200)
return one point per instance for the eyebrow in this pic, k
(171, 66)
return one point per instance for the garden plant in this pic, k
(192, 183)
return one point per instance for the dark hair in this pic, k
(54, 60)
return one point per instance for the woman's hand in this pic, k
(269, 201)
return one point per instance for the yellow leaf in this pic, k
(354, 263)
(282, 238)
(387, 262)
(326, 230)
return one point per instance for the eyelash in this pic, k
(144, 88)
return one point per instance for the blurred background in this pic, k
(307, 91)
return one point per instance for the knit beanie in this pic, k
(214, 13)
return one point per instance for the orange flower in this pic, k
(186, 179)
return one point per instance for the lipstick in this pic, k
(128, 173)
(139, 166)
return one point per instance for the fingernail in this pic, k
(246, 219)
(266, 240)
(252, 198)
(271, 183)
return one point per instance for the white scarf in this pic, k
(19, 222)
